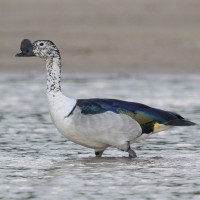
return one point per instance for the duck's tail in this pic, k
(180, 122)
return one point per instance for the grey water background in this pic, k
(37, 162)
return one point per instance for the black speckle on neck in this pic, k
(53, 66)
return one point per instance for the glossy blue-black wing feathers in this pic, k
(146, 116)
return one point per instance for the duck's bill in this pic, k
(26, 49)
(25, 54)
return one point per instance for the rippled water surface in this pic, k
(37, 162)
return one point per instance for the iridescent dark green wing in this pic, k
(146, 116)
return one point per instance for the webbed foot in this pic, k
(132, 153)
(98, 153)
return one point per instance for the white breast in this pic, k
(96, 131)
(59, 106)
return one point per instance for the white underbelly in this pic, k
(98, 131)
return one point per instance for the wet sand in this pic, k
(107, 36)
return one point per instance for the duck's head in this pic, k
(41, 48)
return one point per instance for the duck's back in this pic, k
(145, 116)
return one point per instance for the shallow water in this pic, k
(37, 162)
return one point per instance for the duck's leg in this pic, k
(99, 153)
(132, 153)
(126, 147)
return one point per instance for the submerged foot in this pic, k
(132, 153)
(98, 153)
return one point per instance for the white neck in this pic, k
(58, 103)
(53, 66)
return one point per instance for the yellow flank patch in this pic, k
(157, 127)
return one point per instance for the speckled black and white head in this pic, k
(48, 51)
(44, 49)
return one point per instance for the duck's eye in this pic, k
(41, 44)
